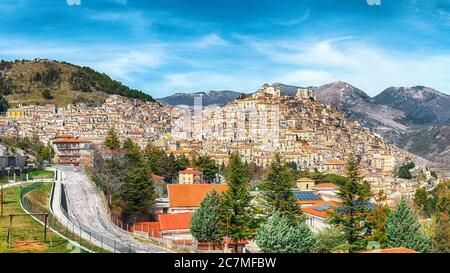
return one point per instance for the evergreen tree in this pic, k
(167, 167)
(404, 230)
(378, 219)
(237, 212)
(280, 235)
(205, 223)
(138, 193)
(207, 165)
(46, 94)
(3, 104)
(112, 140)
(352, 215)
(153, 156)
(441, 233)
(182, 162)
(277, 190)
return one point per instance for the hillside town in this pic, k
(310, 136)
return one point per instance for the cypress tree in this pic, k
(352, 215)
(238, 220)
(277, 190)
(404, 230)
(280, 235)
(205, 223)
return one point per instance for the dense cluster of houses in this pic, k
(143, 122)
(306, 132)
(310, 135)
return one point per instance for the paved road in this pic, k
(86, 209)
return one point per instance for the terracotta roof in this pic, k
(392, 250)
(175, 221)
(190, 170)
(320, 211)
(69, 140)
(190, 195)
(64, 136)
(332, 161)
(325, 185)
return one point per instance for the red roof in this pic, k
(190, 170)
(191, 195)
(312, 210)
(175, 221)
(391, 250)
(69, 140)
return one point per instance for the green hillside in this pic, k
(51, 82)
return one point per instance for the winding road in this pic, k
(86, 210)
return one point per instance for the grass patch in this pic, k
(36, 174)
(28, 235)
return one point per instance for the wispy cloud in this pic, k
(347, 59)
(120, 62)
(210, 40)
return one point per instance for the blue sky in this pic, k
(163, 47)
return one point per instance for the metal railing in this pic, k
(94, 237)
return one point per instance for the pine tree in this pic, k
(138, 192)
(237, 212)
(404, 230)
(277, 190)
(112, 140)
(378, 219)
(207, 165)
(205, 223)
(182, 162)
(279, 235)
(3, 104)
(441, 233)
(352, 215)
(153, 155)
(167, 167)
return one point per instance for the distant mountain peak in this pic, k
(421, 104)
(342, 94)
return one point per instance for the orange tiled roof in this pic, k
(391, 250)
(175, 221)
(191, 195)
(319, 213)
(68, 140)
(190, 170)
(325, 185)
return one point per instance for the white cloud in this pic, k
(73, 2)
(137, 21)
(124, 65)
(210, 40)
(307, 62)
(120, 62)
